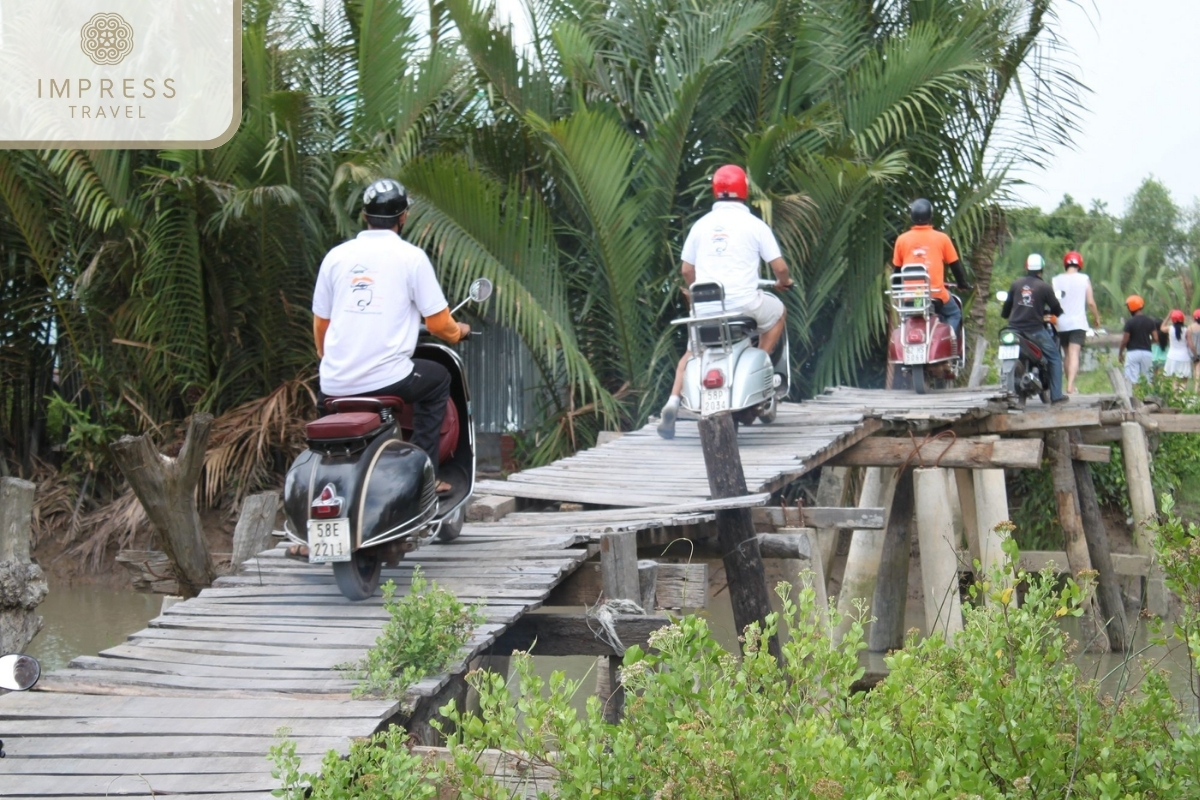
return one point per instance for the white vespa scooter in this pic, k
(727, 372)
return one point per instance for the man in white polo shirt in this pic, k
(371, 295)
(726, 245)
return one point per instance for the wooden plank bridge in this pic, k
(188, 707)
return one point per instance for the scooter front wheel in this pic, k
(358, 578)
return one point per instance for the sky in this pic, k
(1141, 61)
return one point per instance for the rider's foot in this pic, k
(443, 487)
(1062, 399)
(297, 551)
(666, 426)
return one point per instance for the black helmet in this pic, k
(384, 201)
(921, 211)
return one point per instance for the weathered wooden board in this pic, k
(575, 634)
(677, 586)
(854, 519)
(879, 451)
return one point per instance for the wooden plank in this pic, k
(196, 767)
(217, 785)
(101, 747)
(816, 517)
(1091, 452)
(1176, 423)
(39, 705)
(880, 451)
(1042, 419)
(190, 726)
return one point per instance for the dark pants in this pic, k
(426, 388)
(1049, 344)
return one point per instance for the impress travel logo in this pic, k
(125, 74)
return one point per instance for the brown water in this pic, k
(83, 620)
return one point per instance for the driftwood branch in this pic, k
(166, 488)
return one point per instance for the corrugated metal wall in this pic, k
(504, 380)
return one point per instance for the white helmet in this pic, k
(1035, 263)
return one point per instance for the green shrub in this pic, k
(1178, 548)
(1002, 712)
(428, 627)
(379, 767)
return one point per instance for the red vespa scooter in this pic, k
(922, 345)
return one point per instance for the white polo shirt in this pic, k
(374, 289)
(726, 245)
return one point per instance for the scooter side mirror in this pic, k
(19, 672)
(1001, 295)
(481, 290)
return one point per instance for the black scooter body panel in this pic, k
(385, 488)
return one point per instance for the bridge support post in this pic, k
(1108, 588)
(866, 549)
(891, 587)
(939, 552)
(620, 581)
(991, 510)
(1058, 442)
(831, 492)
(735, 527)
(1136, 453)
(964, 484)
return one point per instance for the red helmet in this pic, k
(730, 181)
(1177, 316)
(1196, 315)
(1073, 259)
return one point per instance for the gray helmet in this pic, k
(921, 211)
(384, 201)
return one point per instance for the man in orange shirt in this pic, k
(921, 244)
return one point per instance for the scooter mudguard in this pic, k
(386, 489)
(941, 345)
(753, 379)
(690, 399)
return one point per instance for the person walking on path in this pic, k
(1194, 346)
(1074, 290)
(1179, 352)
(1140, 332)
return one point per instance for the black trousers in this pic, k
(426, 388)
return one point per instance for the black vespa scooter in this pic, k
(361, 495)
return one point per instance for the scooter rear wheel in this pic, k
(918, 379)
(769, 415)
(358, 578)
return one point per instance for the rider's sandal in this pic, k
(443, 488)
(299, 552)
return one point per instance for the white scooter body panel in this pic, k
(749, 377)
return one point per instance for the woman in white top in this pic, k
(1179, 355)
(1074, 290)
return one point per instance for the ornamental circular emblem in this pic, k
(106, 38)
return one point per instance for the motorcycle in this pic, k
(18, 673)
(922, 344)
(729, 372)
(1024, 371)
(361, 496)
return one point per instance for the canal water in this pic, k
(83, 620)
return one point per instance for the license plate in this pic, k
(713, 400)
(1009, 352)
(914, 354)
(328, 540)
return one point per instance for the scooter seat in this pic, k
(739, 328)
(366, 403)
(346, 425)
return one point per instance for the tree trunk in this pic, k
(982, 259)
(22, 584)
(166, 488)
(735, 527)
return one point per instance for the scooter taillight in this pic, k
(328, 505)
(714, 379)
(916, 336)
